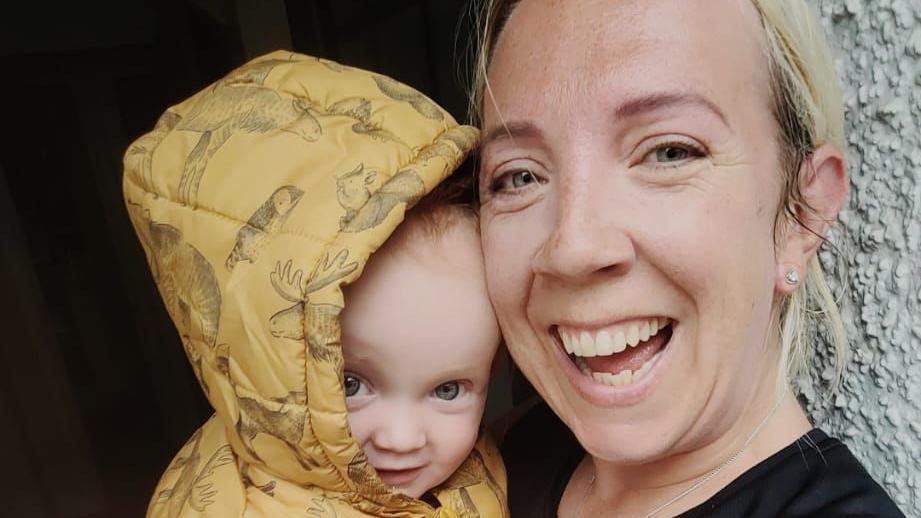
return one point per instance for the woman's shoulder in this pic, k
(817, 475)
(540, 454)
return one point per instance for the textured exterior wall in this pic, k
(877, 412)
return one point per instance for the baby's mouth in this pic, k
(396, 477)
(617, 355)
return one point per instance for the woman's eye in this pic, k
(448, 391)
(522, 178)
(674, 153)
(671, 154)
(514, 180)
(352, 385)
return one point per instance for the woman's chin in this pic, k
(624, 444)
(633, 422)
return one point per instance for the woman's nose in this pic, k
(400, 432)
(588, 235)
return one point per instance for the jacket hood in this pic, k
(255, 201)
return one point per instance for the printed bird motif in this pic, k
(332, 65)
(267, 488)
(230, 109)
(467, 508)
(320, 320)
(375, 132)
(191, 486)
(461, 138)
(464, 137)
(360, 472)
(404, 187)
(254, 73)
(472, 472)
(321, 508)
(144, 147)
(400, 92)
(267, 220)
(359, 108)
(438, 149)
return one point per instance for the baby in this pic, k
(419, 336)
(256, 232)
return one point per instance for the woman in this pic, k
(656, 177)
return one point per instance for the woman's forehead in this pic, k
(597, 48)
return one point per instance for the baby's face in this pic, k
(419, 335)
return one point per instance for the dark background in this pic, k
(96, 395)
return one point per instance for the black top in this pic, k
(815, 476)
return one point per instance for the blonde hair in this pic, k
(808, 108)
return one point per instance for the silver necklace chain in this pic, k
(703, 480)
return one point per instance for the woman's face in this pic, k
(630, 181)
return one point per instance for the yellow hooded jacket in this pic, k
(255, 201)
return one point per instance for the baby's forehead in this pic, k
(446, 236)
(423, 296)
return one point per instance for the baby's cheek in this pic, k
(361, 423)
(458, 434)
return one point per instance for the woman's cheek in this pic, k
(507, 272)
(509, 247)
(510, 241)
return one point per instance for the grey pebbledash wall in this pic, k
(877, 411)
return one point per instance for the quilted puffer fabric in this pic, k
(255, 201)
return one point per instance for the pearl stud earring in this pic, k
(792, 277)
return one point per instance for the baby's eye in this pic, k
(353, 385)
(448, 391)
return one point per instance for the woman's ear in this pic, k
(823, 184)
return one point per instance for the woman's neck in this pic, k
(771, 421)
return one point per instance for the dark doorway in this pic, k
(96, 395)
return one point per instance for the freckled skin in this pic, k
(604, 226)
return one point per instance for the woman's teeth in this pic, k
(610, 340)
(624, 377)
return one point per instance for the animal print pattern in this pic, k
(239, 108)
(187, 284)
(192, 487)
(288, 171)
(364, 209)
(267, 220)
(400, 92)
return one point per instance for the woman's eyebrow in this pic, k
(657, 101)
(510, 131)
(630, 108)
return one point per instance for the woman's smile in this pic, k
(614, 365)
(618, 354)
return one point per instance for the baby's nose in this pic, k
(401, 433)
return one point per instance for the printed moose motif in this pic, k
(320, 321)
(231, 109)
